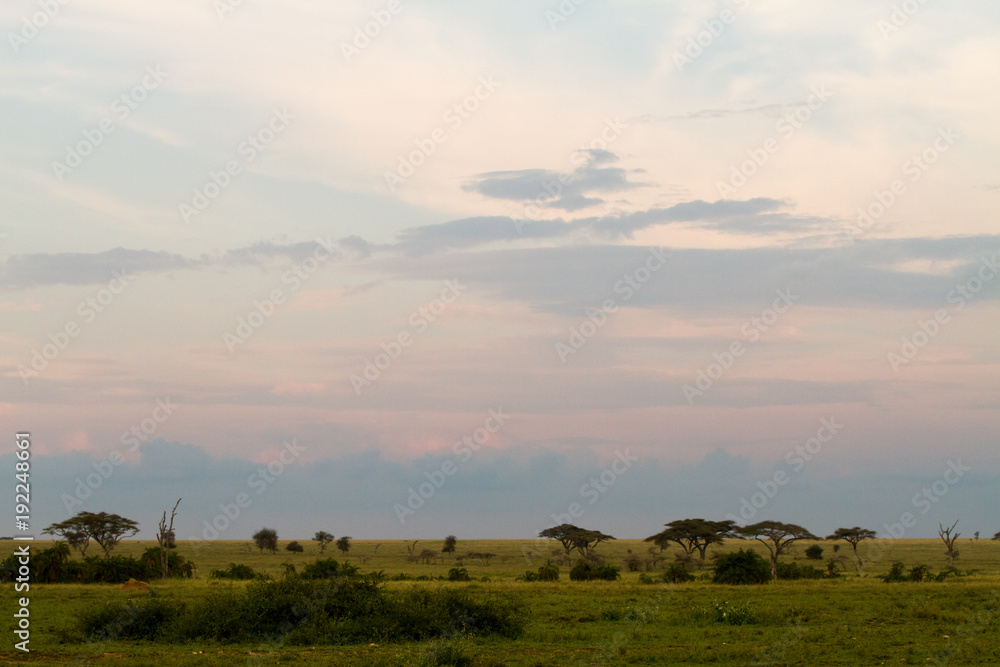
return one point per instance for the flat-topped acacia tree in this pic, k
(105, 529)
(693, 535)
(854, 536)
(778, 537)
(573, 537)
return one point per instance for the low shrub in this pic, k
(236, 572)
(458, 574)
(741, 568)
(310, 611)
(796, 571)
(677, 574)
(585, 571)
(815, 552)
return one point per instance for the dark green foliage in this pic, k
(177, 565)
(895, 573)
(238, 572)
(584, 571)
(815, 552)
(328, 568)
(147, 618)
(919, 573)
(677, 574)
(450, 543)
(266, 538)
(294, 547)
(796, 571)
(740, 568)
(458, 574)
(297, 611)
(53, 566)
(548, 572)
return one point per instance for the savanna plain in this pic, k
(637, 619)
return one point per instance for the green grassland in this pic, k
(850, 620)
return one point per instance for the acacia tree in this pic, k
(324, 538)
(449, 544)
(105, 529)
(344, 544)
(854, 536)
(266, 538)
(776, 536)
(573, 537)
(997, 536)
(949, 541)
(693, 535)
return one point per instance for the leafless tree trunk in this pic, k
(163, 536)
(949, 541)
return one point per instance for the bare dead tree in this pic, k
(163, 538)
(949, 541)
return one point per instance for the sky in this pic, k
(400, 270)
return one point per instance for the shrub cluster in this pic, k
(53, 566)
(302, 611)
(740, 568)
(585, 571)
(897, 573)
(237, 572)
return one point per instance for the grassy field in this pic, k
(847, 621)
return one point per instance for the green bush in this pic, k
(584, 571)
(236, 572)
(815, 552)
(328, 568)
(677, 574)
(741, 568)
(311, 611)
(458, 574)
(796, 571)
(895, 573)
(147, 619)
(548, 572)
